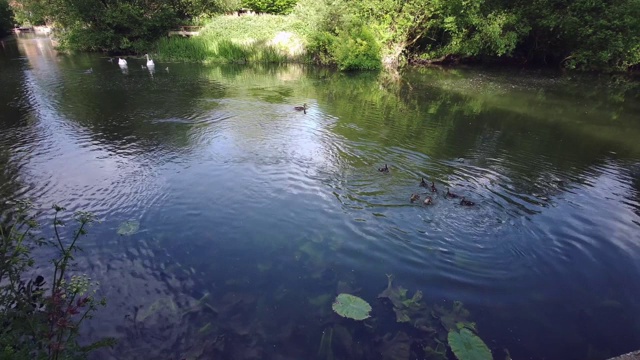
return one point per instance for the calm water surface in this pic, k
(254, 216)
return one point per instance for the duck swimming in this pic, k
(414, 198)
(423, 183)
(301, 108)
(451, 195)
(464, 202)
(384, 169)
(427, 201)
(433, 187)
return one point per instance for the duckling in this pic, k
(464, 202)
(433, 187)
(414, 198)
(451, 195)
(427, 201)
(423, 183)
(384, 169)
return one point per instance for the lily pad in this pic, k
(351, 307)
(128, 228)
(468, 346)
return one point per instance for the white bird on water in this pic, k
(122, 62)
(149, 61)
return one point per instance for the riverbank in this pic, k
(239, 39)
(322, 35)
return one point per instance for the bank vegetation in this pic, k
(353, 34)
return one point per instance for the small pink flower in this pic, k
(72, 310)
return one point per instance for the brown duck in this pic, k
(427, 201)
(414, 198)
(464, 202)
(451, 195)
(301, 108)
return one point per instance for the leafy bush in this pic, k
(270, 6)
(40, 321)
(320, 48)
(356, 49)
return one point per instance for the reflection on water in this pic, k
(254, 216)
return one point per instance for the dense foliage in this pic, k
(363, 34)
(6, 17)
(270, 6)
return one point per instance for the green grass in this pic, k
(232, 39)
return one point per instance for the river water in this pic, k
(253, 216)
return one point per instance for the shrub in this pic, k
(356, 49)
(40, 321)
(270, 6)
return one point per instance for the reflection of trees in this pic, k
(15, 119)
(545, 132)
(148, 111)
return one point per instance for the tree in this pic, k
(6, 17)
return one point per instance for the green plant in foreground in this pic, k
(40, 322)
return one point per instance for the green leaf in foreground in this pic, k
(351, 307)
(467, 346)
(129, 227)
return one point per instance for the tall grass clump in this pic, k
(191, 49)
(233, 39)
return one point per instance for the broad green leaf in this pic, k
(351, 307)
(468, 346)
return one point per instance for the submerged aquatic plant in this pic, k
(468, 346)
(406, 309)
(128, 228)
(351, 307)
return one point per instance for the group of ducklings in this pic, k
(429, 200)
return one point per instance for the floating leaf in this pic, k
(467, 346)
(129, 228)
(351, 307)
